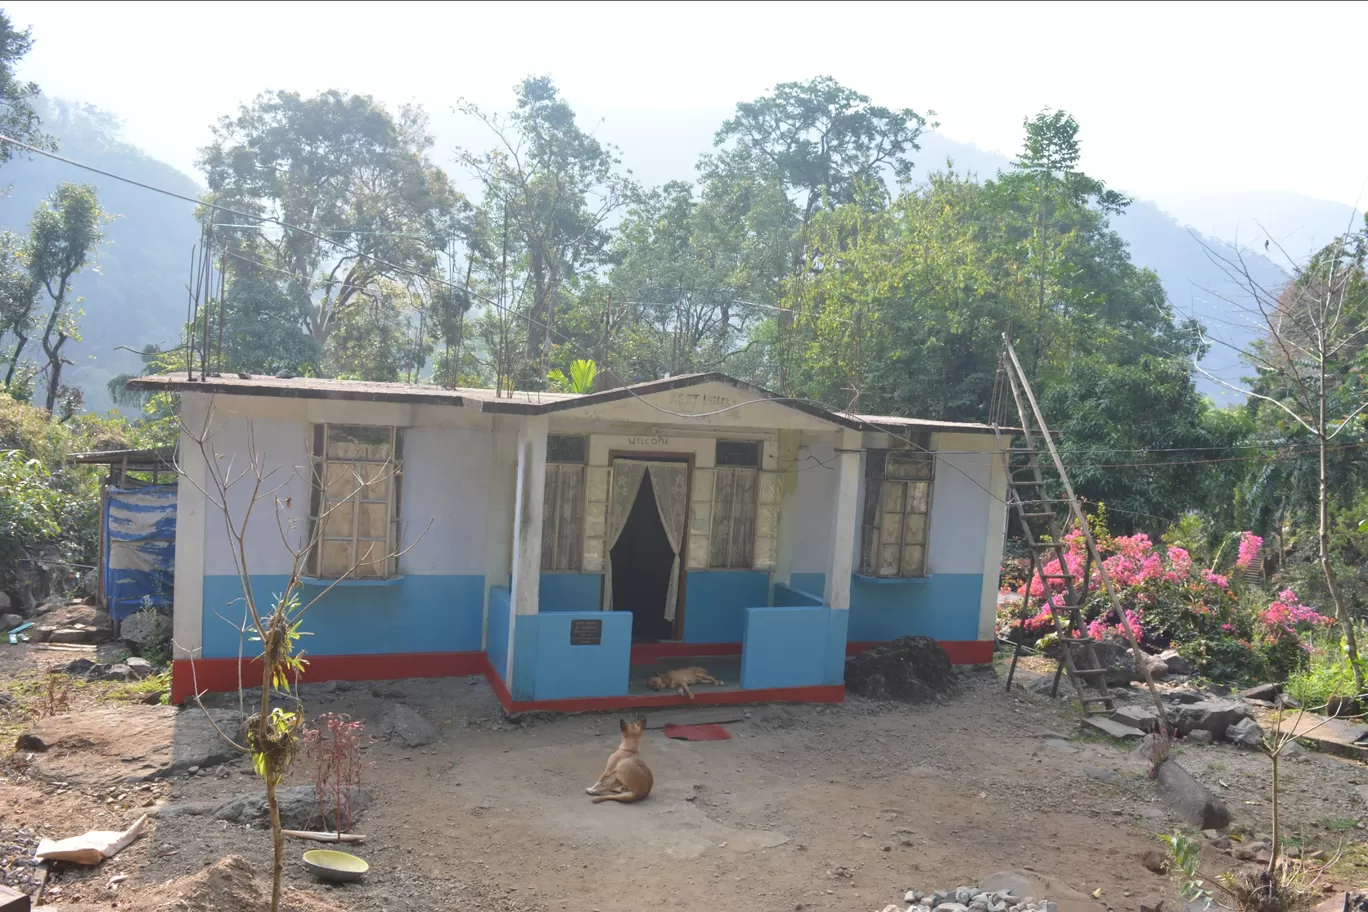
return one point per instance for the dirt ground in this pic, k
(806, 807)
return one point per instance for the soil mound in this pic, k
(913, 669)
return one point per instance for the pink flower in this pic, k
(1217, 580)
(1249, 549)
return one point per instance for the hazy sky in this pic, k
(1172, 98)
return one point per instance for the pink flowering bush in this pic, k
(1169, 602)
(1249, 549)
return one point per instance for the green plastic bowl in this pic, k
(334, 866)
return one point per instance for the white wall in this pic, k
(445, 483)
(815, 506)
(963, 534)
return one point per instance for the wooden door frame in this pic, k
(654, 456)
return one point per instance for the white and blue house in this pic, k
(569, 546)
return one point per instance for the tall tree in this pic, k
(18, 117)
(18, 297)
(345, 169)
(550, 188)
(822, 145)
(822, 141)
(1311, 374)
(63, 235)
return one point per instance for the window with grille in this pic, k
(735, 480)
(563, 503)
(896, 510)
(354, 504)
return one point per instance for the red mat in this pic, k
(708, 732)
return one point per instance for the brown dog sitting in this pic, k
(626, 777)
(680, 679)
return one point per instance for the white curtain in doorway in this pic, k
(627, 477)
(670, 481)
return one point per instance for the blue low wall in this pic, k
(496, 631)
(944, 606)
(547, 667)
(715, 603)
(411, 614)
(793, 647)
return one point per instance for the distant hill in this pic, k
(136, 294)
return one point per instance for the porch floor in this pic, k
(724, 668)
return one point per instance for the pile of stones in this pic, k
(970, 899)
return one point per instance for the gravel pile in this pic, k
(970, 899)
(17, 867)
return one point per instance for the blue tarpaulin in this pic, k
(140, 548)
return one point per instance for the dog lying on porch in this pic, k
(680, 679)
(626, 777)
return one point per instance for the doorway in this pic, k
(642, 559)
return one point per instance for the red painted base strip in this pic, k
(650, 653)
(220, 675)
(961, 652)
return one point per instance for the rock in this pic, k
(912, 669)
(1182, 696)
(912, 896)
(27, 742)
(1246, 733)
(80, 667)
(1177, 665)
(1286, 701)
(403, 723)
(4, 602)
(1342, 706)
(1156, 861)
(74, 635)
(111, 653)
(952, 907)
(1200, 736)
(1267, 692)
(112, 672)
(165, 811)
(1214, 717)
(1114, 729)
(1189, 798)
(299, 809)
(1158, 668)
(144, 626)
(387, 692)
(1211, 835)
(10, 621)
(76, 614)
(140, 667)
(1141, 717)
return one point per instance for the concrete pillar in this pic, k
(788, 510)
(845, 518)
(527, 515)
(527, 527)
(187, 613)
(503, 478)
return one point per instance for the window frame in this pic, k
(321, 506)
(918, 462)
(728, 471)
(557, 555)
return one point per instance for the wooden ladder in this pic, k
(1038, 517)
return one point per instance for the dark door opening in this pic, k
(642, 559)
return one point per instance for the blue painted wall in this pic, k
(789, 597)
(412, 614)
(547, 667)
(944, 605)
(792, 647)
(496, 639)
(569, 592)
(715, 603)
